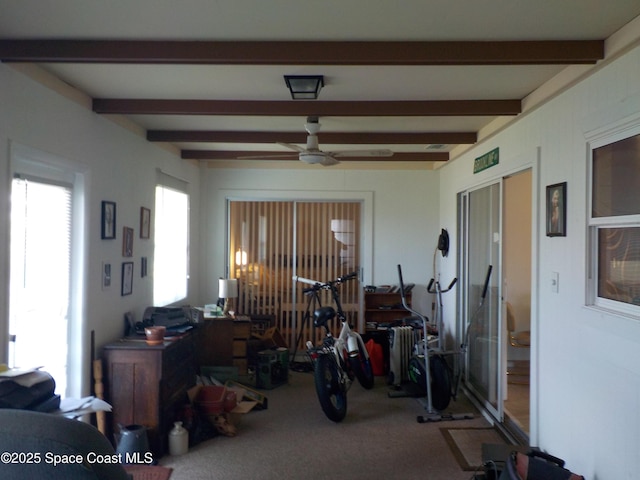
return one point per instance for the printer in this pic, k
(175, 319)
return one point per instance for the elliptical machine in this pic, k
(428, 368)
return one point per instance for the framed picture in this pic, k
(106, 275)
(557, 210)
(108, 228)
(127, 278)
(143, 267)
(145, 222)
(127, 242)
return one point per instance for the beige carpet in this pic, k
(379, 439)
(466, 444)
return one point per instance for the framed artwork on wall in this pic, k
(145, 222)
(106, 275)
(127, 242)
(127, 278)
(108, 220)
(557, 210)
(143, 267)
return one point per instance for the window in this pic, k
(615, 223)
(171, 236)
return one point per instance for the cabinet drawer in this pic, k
(241, 329)
(239, 348)
(242, 364)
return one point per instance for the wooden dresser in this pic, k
(147, 385)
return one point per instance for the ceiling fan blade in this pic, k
(362, 153)
(266, 157)
(328, 161)
(291, 146)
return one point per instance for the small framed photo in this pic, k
(108, 222)
(127, 278)
(106, 275)
(127, 242)
(557, 210)
(143, 267)
(145, 222)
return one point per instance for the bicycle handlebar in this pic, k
(296, 278)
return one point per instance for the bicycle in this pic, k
(338, 361)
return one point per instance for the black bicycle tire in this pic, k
(440, 382)
(362, 368)
(332, 397)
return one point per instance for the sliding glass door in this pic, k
(272, 241)
(481, 253)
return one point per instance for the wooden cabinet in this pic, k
(147, 385)
(383, 308)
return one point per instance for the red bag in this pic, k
(376, 356)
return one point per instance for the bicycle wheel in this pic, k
(440, 382)
(332, 396)
(361, 367)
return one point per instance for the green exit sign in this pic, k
(487, 160)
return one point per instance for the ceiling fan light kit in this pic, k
(304, 87)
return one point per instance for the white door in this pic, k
(40, 276)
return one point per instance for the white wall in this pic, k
(401, 212)
(586, 362)
(121, 167)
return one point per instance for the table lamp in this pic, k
(228, 289)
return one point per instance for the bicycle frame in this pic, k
(339, 360)
(342, 347)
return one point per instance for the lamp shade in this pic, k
(228, 288)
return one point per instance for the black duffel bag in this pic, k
(536, 465)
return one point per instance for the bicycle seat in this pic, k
(322, 315)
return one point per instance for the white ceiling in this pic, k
(311, 20)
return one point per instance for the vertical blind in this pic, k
(271, 241)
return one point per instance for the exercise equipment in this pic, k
(428, 367)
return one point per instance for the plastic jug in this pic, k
(178, 439)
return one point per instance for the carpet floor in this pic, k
(292, 439)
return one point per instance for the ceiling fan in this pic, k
(312, 154)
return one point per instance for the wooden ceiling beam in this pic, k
(235, 155)
(304, 53)
(304, 108)
(300, 137)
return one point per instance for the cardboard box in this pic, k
(249, 395)
(214, 400)
(272, 338)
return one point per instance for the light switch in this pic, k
(555, 276)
